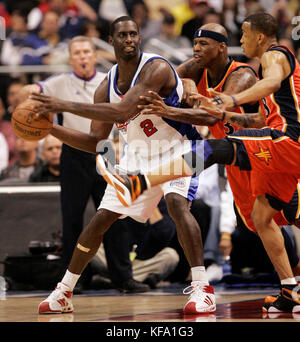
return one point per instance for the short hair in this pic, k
(82, 39)
(118, 20)
(264, 23)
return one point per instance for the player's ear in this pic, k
(110, 40)
(222, 47)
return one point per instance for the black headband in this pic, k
(211, 34)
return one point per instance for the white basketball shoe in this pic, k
(59, 301)
(201, 300)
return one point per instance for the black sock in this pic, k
(205, 153)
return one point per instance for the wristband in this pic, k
(223, 116)
(226, 236)
(234, 101)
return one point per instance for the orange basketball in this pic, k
(29, 126)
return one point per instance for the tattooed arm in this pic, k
(240, 80)
(189, 69)
(250, 120)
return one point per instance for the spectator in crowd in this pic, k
(137, 255)
(43, 47)
(11, 49)
(282, 15)
(168, 43)
(212, 17)
(148, 28)
(28, 161)
(12, 97)
(232, 18)
(3, 152)
(8, 133)
(71, 15)
(92, 29)
(182, 13)
(36, 14)
(50, 154)
(200, 8)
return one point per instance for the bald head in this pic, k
(215, 28)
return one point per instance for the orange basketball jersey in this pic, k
(282, 108)
(239, 181)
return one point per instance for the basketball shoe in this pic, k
(59, 301)
(201, 300)
(272, 298)
(287, 301)
(128, 186)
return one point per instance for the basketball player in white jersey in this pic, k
(76, 167)
(150, 141)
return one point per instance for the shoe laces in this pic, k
(195, 288)
(57, 293)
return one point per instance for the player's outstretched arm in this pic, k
(275, 69)
(154, 76)
(154, 105)
(83, 141)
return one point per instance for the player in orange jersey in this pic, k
(266, 151)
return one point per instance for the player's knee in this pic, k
(258, 220)
(176, 205)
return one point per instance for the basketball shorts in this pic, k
(287, 215)
(272, 157)
(143, 207)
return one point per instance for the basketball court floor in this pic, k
(163, 304)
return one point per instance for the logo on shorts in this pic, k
(263, 155)
(179, 183)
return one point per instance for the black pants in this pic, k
(79, 180)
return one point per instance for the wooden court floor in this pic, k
(161, 305)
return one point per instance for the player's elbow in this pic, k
(123, 115)
(122, 119)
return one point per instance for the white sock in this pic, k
(288, 281)
(199, 274)
(70, 279)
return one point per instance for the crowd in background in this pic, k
(38, 32)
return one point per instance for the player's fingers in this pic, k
(146, 98)
(213, 92)
(154, 95)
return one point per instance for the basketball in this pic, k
(29, 126)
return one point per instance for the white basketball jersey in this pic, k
(153, 139)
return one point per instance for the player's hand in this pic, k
(208, 105)
(221, 99)
(225, 247)
(189, 88)
(153, 104)
(48, 104)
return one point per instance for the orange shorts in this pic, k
(272, 157)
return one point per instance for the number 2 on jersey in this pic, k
(148, 127)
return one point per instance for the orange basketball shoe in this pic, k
(201, 300)
(127, 186)
(287, 301)
(59, 301)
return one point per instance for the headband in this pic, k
(211, 34)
